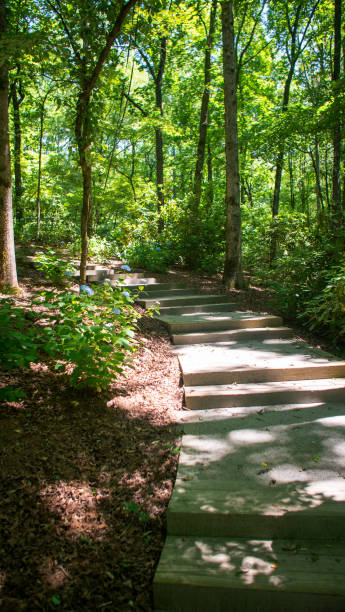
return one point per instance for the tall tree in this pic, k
(17, 95)
(203, 123)
(336, 185)
(293, 21)
(232, 268)
(90, 61)
(8, 271)
(156, 72)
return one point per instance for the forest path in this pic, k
(258, 510)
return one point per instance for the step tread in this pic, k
(227, 334)
(255, 361)
(264, 387)
(193, 298)
(282, 565)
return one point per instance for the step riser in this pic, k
(241, 334)
(256, 375)
(205, 326)
(203, 308)
(188, 301)
(153, 288)
(182, 597)
(154, 294)
(215, 524)
(295, 396)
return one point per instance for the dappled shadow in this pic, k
(255, 361)
(259, 508)
(269, 469)
(85, 483)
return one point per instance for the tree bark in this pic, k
(232, 269)
(82, 128)
(337, 212)
(315, 158)
(159, 132)
(8, 271)
(18, 185)
(203, 123)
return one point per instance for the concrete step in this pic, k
(209, 322)
(199, 309)
(243, 575)
(156, 295)
(192, 299)
(152, 287)
(255, 361)
(265, 474)
(252, 394)
(259, 333)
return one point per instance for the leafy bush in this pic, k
(53, 231)
(326, 311)
(18, 339)
(54, 268)
(88, 335)
(147, 255)
(92, 332)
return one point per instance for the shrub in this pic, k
(54, 268)
(326, 311)
(88, 335)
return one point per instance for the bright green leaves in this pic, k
(88, 337)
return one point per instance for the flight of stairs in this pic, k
(256, 521)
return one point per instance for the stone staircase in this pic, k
(256, 521)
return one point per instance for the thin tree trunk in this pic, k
(203, 123)
(159, 132)
(8, 270)
(82, 128)
(281, 151)
(337, 212)
(232, 269)
(315, 158)
(39, 177)
(292, 186)
(209, 177)
(18, 185)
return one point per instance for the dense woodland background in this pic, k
(200, 137)
(139, 120)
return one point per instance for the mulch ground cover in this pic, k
(85, 478)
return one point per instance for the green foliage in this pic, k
(89, 335)
(147, 255)
(326, 311)
(101, 249)
(54, 268)
(293, 277)
(55, 231)
(133, 508)
(18, 339)
(10, 394)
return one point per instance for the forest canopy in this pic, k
(194, 133)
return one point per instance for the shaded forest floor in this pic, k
(86, 478)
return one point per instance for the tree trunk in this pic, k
(315, 158)
(232, 268)
(337, 212)
(18, 186)
(159, 132)
(82, 137)
(8, 271)
(209, 177)
(280, 156)
(39, 177)
(203, 123)
(292, 186)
